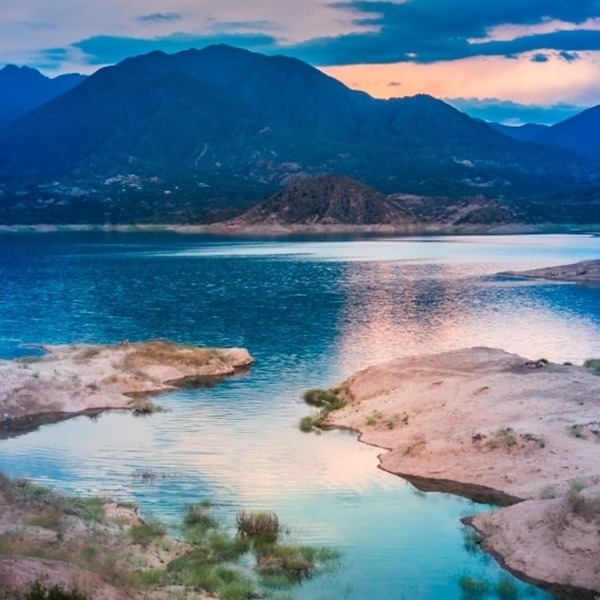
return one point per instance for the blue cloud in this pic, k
(159, 17)
(432, 30)
(569, 56)
(420, 31)
(102, 49)
(540, 57)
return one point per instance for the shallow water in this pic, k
(311, 312)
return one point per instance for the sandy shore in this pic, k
(86, 379)
(587, 271)
(486, 424)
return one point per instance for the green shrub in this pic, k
(261, 524)
(593, 364)
(39, 592)
(576, 431)
(144, 533)
(199, 515)
(587, 508)
(310, 423)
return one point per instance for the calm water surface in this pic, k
(311, 312)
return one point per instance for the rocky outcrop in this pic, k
(326, 201)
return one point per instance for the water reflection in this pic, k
(311, 313)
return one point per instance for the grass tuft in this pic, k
(593, 364)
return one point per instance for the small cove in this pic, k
(311, 312)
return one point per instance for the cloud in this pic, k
(394, 84)
(434, 30)
(506, 111)
(229, 26)
(569, 56)
(540, 57)
(103, 50)
(159, 17)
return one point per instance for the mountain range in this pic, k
(23, 88)
(203, 134)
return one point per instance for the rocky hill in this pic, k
(326, 200)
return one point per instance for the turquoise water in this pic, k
(311, 312)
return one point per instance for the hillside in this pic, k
(202, 135)
(580, 133)
(24, 88)
(326, 200)
(524, 133)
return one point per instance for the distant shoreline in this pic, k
(223, 229)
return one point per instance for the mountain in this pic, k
(203, 133)
(326, 200)
(524, 133)
(580, 133)
(23, 88)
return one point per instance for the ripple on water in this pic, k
(311, 313)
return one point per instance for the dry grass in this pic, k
(168, 353)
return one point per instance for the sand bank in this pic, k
(86, 379)
(587, 271)
(487, 424)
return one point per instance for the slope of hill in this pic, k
(580, 133)
(524, 133)
(23, 88)
(264, 118)
(329, 200)
(172, 136)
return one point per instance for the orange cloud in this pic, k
(519, 79)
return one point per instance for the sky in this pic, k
(512, 61)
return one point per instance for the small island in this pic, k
(494, 427)
(88, 379)
(586, 271)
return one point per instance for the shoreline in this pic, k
(489, 425)
(83, 379)
(222, 229)
(585, 271)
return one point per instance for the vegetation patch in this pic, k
(325, 400)
(142, 406)
(593, 364)
(246, 559)
(582, 506)
(56, 592)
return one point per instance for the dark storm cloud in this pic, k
(540, 57)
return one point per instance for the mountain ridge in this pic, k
(199, 135)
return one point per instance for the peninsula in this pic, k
(87, 379)
(586, 271)
(489, 425)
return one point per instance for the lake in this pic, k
(311, 312)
